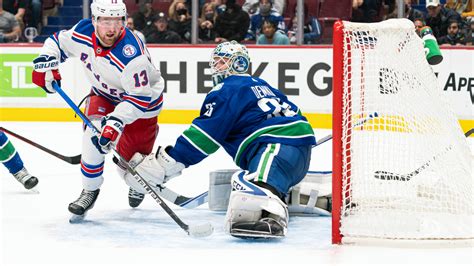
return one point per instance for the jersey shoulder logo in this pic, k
(129, 50)
(217, 87)
(210, 108)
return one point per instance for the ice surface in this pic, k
(35, 228)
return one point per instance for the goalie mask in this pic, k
(228, 58)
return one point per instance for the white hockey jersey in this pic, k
(124, 73)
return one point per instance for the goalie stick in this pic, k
(201, 230)
(69, 159)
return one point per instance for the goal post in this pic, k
(406, 173)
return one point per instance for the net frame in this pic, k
(345, 72)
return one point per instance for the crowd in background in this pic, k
(250, 21)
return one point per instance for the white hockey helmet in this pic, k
(236, 58)
(108, 8)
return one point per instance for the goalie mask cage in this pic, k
(405, 174)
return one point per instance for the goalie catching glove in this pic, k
(154, 169)
(45, 72)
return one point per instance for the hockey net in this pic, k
(402, 168)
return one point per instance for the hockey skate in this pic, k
(84, 203)
(135, 198)
(27, 180)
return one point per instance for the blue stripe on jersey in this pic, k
(82, 42)
(137, 106)
(113, 63)
(84, 27)
(55, 38)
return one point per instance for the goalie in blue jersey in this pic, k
(265, 133)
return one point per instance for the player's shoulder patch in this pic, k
(129, 48)
(129, 51)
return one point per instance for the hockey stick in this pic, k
(196, 230)
(386, 175)
(469, 132)
(359, 123)
(69, 159)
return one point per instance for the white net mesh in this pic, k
(407, 174)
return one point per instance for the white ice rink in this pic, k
(35, 228)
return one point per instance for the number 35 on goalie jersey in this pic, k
(238, 114)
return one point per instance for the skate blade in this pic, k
(76, 219)
(248, 234)
(33, 190)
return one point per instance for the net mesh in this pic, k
(407, 173)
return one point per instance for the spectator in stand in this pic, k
(470, 32)
(131, 26)
(180, 19)
(160, 32)
(270, 35)
(144, 17)
(265, 11)
(206, 23)
(189, 6)
(438, 18)
(311, 28)
(366, 11)
(17, 8)
(50, 8)
(34, 16)
(220, 6)
(454, 36)
(412, 13)
(419, 24)
(469, 9)
(232, 24)
(251, 6)
(10, 29)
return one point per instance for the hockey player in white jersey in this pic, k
(125, 98)
(265, 133)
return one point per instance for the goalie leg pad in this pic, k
(253, 211)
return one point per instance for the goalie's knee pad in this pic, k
(250, 203)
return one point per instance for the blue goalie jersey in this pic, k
(238, 114)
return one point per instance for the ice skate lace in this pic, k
(132, 193)
(85, 199)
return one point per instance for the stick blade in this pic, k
(385, 175)
(201, 230)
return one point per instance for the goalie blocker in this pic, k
(312, 196)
